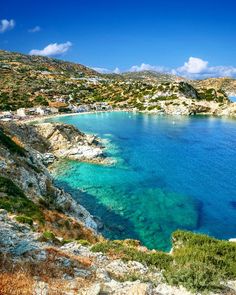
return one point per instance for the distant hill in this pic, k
(226, 84)
(29, 81)
(23, 62)
(152, 76)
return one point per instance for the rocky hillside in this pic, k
(29, 81)
(49, 244)
(228, 85)
(152, 77)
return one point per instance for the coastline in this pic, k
(41, 118)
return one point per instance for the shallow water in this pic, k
(171, 173)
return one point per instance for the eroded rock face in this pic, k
(65, 141)
(16, 238)
(28, 170)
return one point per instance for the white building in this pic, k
(21, 112)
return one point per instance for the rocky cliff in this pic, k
(49, 244)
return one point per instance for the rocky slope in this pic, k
(226, 84)
(49, 244)
(24, 152)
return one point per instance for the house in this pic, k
(40, 111)
(6, 116)
(53, 110)
(21, 112)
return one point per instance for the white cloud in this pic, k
(35, 29)
(116, 71)
(52, 49)
(147, 67)
(106, 71)
(6, 25)
(194, 66)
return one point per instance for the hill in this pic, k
(152, 77)
(31, 81)
(226, 84)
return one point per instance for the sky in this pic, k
(195, 39)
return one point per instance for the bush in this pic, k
(127, 252)
(83, 242)
(24, 219)
(15, 201)
(48, 236)
(10, 144)
(198, 262)
(201, 262)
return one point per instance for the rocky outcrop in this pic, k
(65, 141)
(76, 265)
(54, 140)
(25, 165)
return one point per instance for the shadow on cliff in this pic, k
(111, 225)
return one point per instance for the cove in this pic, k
(170, 173)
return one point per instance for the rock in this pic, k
(118, 268)
(93, 290)
(41, 288)
(126, 288)
(231, 285)
(99, 223)
(48, 158)
(164, 289)
(82, 273)
(65, 141)
(102, 275)
(23, 247)
(140, 289)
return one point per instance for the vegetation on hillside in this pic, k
(28, 81)
(198, 262)
(15, 201)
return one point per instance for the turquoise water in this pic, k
(171, 173)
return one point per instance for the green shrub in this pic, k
(128, 252)
(10, 144)
(198, 262)
(64, 241)
(47, 236)
(15, 201)
(201, 262)
(24, 219)
(83, 242)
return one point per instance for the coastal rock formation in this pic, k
(22, 159)
(49, 244)
(65, 141)
(47, 264)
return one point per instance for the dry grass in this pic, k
(65, 227)
(18, 283)
(17, 141)
(19, 277)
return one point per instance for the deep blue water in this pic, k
(171, 173)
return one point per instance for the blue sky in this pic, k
(190, 38)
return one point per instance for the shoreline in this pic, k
(57, 115)
(40, 118)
